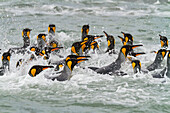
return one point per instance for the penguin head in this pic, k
(59, 66)
(35, 49)
(94, 45)
(51, 29)
(160, 55)
(75, 48)
(89, 39)
(127, 49)
(36, 69)
(53, 44)
(19, 63)
(128, 39)
(26, 32)
(136, 64)
(72, 60)
(50, 49)
(85, 29)
(76, 57)
(42, 36)
(110, 40)
(6, 59)
(164, 41)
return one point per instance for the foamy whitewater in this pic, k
(87, 91)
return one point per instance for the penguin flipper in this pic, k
(120, 73)
(93, 68)
(159, 75)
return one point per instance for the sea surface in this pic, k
(86, 91)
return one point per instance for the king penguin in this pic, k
(158, 60)
(110, 44)
(164, 41)
(127, 40)
(69, 64)
(114, 66)
(5, 63)
(165, 71)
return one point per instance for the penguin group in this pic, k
(61, 70)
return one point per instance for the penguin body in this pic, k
(41, 41)
(26, 37)
(136, 64)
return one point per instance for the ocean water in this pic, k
(86, 92)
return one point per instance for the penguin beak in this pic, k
(123, 33)
(83, 57)
(98, 37)
(105, 33)
(129, 58)
(56, 48)
(134, 46)
(153, 52)
(85, 40)
(47, 67)
(137, 54)
(121, 38)
(80, 60)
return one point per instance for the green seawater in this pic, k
(86, 92)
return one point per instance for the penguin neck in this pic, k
(84, 34)
(67, 72)
(158, 59)
(121, 58)
(26, 41)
